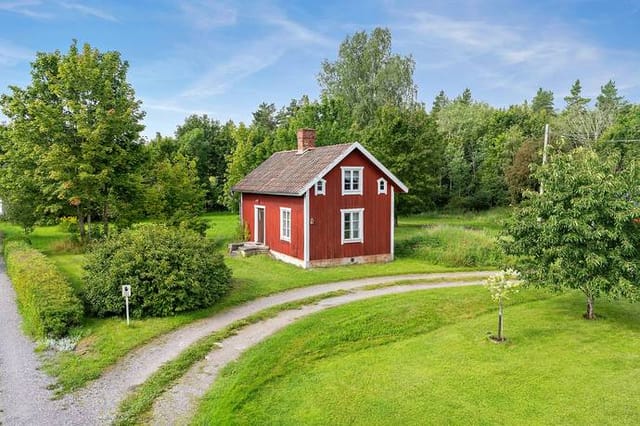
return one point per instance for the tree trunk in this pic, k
(89, 227)
(589, 315)
(105, 219)
(80, 216)
(500, 322)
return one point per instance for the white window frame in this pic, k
(382, 186)
(360, 171)
(284, 235)
(323, 184)
(343, 213)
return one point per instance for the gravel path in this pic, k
(179, 403)
(23, 394)
(24, 397)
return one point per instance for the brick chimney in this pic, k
(306, 139)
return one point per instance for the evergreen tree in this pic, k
(543, 101)
(575, 101)
(439, 102)
(608, 99)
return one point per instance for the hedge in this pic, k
(46, 300)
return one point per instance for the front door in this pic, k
(259, 237)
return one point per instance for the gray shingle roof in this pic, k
(288, 172)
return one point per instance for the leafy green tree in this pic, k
(81, 115)
(497, 155)
(208, 143)
(367, 75)
(18, 188)
(174, 193)
(621, 139)
(582, 232)
(408, 143)
(240, 163)
(463, 127)
(543, 101)
(518, 174)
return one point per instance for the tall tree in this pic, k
(206, 141)
(264, 117)
(441, 100)
(408, 143)
(574, 100)
(239, 163)
(582, 231)
(608, 99)
(82, 115)
(465, 97)
(543, 101)
(367, 75)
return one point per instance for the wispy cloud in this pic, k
(29, 8)
(89, 11)
(208, 14)
(516, 57)
(256, 55)
(10, 54)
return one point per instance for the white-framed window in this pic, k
(285, 224)
(352, 225)
(382, 186)
(321, 187)
(352, 180)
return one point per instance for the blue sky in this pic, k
(223, 58)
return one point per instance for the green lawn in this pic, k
(424, 358)
(426, 243)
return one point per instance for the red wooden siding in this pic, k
(272, 204)
(325, 216)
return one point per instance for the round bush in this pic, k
(170, 270)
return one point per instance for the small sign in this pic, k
(126, 293)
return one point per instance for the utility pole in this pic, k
(544, 152)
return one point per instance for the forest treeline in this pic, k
(72, 147)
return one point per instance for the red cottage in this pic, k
(330, 205)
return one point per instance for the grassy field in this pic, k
(424, 358)
(426, 243)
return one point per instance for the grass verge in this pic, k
(425, 358)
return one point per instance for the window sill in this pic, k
(352, 241)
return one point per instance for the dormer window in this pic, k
(382, 186)
(352, 180)
(321, 186)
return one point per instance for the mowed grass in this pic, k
(424, 358)
(104, 341)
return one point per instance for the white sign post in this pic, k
(126, 293)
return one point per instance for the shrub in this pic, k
(68, 224)
(170, 270)
(46, 299)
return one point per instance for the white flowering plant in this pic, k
(501, 285)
